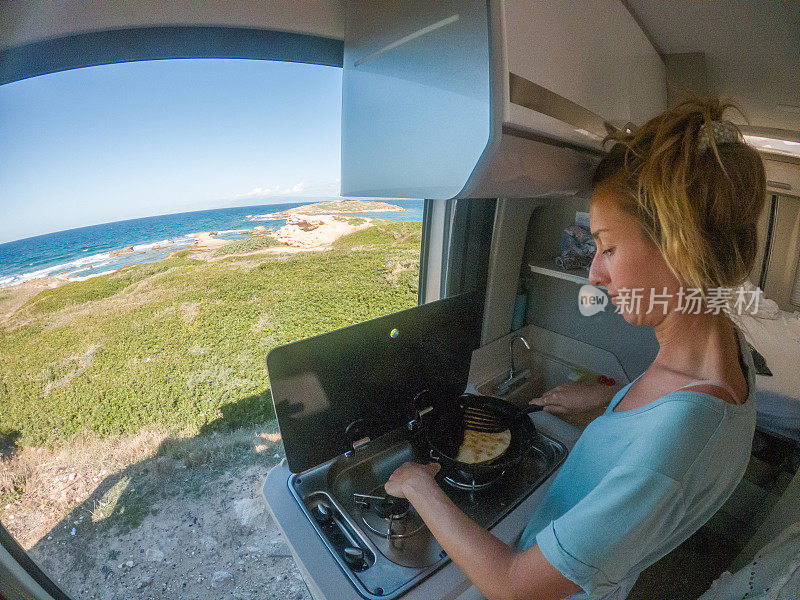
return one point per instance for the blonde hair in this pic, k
(698, 205)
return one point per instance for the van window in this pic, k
(165, 225)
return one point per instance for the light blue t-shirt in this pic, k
(638, 483)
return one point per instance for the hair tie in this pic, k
(725, 132)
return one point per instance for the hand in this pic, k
(411, 475)
(577, 403)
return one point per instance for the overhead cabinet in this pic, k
(488, 99)
(577, 67)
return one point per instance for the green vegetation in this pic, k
(183, 342)
(249, 245)
(341, 206)
(96, 288)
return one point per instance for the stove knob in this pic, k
(322, 513)
(354, 556)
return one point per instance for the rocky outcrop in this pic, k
(125, 250)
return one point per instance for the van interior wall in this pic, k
(552, 302)
(553, 305)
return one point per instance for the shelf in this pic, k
(580, 276)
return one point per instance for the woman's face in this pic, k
(627, 264)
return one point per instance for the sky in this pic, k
(128, 140)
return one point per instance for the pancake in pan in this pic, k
(479, 446)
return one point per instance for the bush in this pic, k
(249, 245)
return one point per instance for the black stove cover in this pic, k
(369, 371)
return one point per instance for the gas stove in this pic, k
(345, 407)
(381, 544)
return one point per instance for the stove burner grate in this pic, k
(462, 480)
(389, 517)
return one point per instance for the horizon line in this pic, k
(303, 199)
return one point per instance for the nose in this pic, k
(598, 275)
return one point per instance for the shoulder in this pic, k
(669, 437)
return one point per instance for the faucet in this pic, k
(514, 378)
(513, 372)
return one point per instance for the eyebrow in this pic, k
(598, 232)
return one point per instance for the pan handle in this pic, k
(528, 410)
(418, 412)
(415, 403)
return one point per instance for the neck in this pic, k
(698, 345)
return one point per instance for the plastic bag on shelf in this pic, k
(577, 248)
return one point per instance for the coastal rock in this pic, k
(259, 229)
(205, 240)
(124, 250)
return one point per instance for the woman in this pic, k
(674, 208)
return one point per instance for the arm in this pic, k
(492, 565)
(577, 403)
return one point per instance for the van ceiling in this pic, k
(751, 47)
(751, 51)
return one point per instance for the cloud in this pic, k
(301, 190)
(297, 188)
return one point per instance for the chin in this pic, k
(642, 319)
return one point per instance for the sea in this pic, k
(87, 250)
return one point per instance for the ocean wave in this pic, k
(151, 245)
(226, 231)
(267, 217)
(79, 264)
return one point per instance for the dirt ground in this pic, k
(163, 527)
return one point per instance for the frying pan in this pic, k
(443, 427)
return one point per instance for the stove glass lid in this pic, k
(370, 371)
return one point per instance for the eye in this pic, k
(608, 252)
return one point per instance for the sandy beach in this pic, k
(318, 231)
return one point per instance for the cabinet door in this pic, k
(415, 97)
(590, 52)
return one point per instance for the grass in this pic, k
(249, 245)
(96, 288)
(342, 206)
(182, 342)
